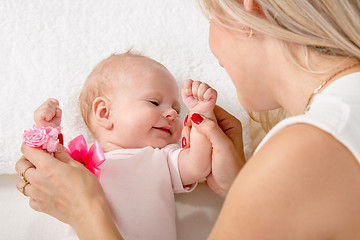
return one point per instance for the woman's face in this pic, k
(245, 61)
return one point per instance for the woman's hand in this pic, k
(56, 185)
(63, 188)
(228, 157)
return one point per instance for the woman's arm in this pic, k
(302, 184)
(97, 222)
(63, 188)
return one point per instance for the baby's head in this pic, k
(131, 101)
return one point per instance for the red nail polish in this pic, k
(185, 121)
(183, 142)
(196, 118)
(61, 138)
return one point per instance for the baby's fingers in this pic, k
(58, 113)
(209, 94)
(50, 103)
(202, 89)
(187, 89)
(188, 83)
(47, 112)
(195, 88)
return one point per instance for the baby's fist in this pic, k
(198, 97)
(48, 114)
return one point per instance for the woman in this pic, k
(303, 181)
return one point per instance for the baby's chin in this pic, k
(142, 143)
(161, 144)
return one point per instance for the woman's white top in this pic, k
(336, 110)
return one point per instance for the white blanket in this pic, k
(48, 47)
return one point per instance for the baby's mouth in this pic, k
(164, 129)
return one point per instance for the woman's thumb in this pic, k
(210, 129)
(62, 155)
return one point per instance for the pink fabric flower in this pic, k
(44, 137)
(53, 140)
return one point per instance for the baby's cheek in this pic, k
(177, 133)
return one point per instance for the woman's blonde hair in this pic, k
(329, 27)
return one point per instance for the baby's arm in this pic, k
(195, 161)
(48, 114)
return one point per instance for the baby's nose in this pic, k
(171, 114)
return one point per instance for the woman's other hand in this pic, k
(58, 185)
(228, 157)
(63, 188)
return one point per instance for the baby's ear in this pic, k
(101, 112)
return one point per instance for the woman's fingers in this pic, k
(36, 156)
(231, 126)
(24, 168)
(40, 158)
(24, 188)
(22, 164)
(185, 140)
(63, 156)
(210, 129)
(227, 153)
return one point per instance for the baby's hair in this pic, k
(103, 79)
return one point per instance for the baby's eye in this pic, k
(155, 103)
(177, 110)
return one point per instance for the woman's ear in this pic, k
(101, 112)
(248, 5)
(252, 6)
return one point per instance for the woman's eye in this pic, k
(177, 110)
(155, 103)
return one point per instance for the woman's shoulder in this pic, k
(335, 111)
(306, 154)
(316, 173)
(302, 184)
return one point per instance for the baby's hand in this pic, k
(48, 114)
(198, 97)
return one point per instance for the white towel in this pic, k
(48, 47)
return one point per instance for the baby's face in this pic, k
(146, 107)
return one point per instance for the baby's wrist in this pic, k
(210, 115)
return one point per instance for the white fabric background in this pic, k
(48, 48)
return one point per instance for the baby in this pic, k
(131, 105)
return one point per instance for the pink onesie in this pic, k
(139, 185)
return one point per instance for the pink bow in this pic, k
(91, 159)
